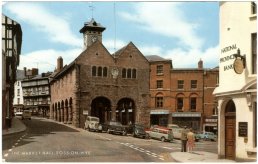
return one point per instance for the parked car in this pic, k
(18, 115)
(208, 136)
(114, 127)
(26, 114)
(136, 130)
(92, 124)
(177, 131)
(161, 133)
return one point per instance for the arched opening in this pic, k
(230, 130)
(101, 108)
(125, 112)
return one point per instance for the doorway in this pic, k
(230, 130)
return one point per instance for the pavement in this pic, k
(184, 157)
(17, 126)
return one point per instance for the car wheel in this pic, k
(89, 129)
(162, 139)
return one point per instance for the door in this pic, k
(230, 138)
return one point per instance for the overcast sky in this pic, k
(182, 31)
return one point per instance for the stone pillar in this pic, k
(62, 114)
(70, 114)
(113, 115)
(65, 114)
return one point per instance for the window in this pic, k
(253, 8)
(193, 84)
(18, 101)
(193, 103)
(18, 92)
(180, 84)
(159, 102)
(255, 123)
(180, 103)
(159, 69)
(18, 83)
(105, 71)
(94, 71)
(99, 71)
(129, 73)
(159, 83)
(254, 53)
(43, 89)
(134, 74)
(123, 73)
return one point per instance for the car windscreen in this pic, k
(94, 119)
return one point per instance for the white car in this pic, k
(92, 124)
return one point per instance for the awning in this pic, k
(159, 111)
(186, 114)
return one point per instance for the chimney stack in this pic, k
(59, 64)
(200, 64)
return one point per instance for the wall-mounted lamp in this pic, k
(249, 99)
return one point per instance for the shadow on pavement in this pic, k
(35, 127)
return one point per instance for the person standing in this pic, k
(183, 139)
(190, 140)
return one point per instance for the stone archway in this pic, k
(125, 112)
(101, 108)
(230, 130)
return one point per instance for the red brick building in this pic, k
(97, 83)
(182, 96)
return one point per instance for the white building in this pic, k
(18, 94)
(237, 90)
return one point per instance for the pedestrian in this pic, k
(183, 139)
(190, 140)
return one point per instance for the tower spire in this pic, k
(92, 9)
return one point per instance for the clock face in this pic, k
(94, 38)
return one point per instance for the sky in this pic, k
(184, 32)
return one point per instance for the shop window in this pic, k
(123, 73)
(105, 72)
(159, 102)
(193, 103)
(193, 84)
(254, 53)
(94, 71)
(159, 83)
(159, 69)
(180, 84)
(180, 104)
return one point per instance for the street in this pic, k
(48, 141)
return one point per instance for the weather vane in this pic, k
(91, 8)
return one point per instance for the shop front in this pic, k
(189, 119)
(159, 117)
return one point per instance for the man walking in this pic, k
(184, 139)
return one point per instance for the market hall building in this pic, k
(97, 83)
(237, 90)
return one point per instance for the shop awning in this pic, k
(186, 114)
(159, 111)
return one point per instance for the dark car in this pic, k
(136, 130)
(114, 127)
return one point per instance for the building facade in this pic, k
(182, 96)
(237, 90)
(97, 83)
(11, 49)
(18, 94)
(36, 94)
